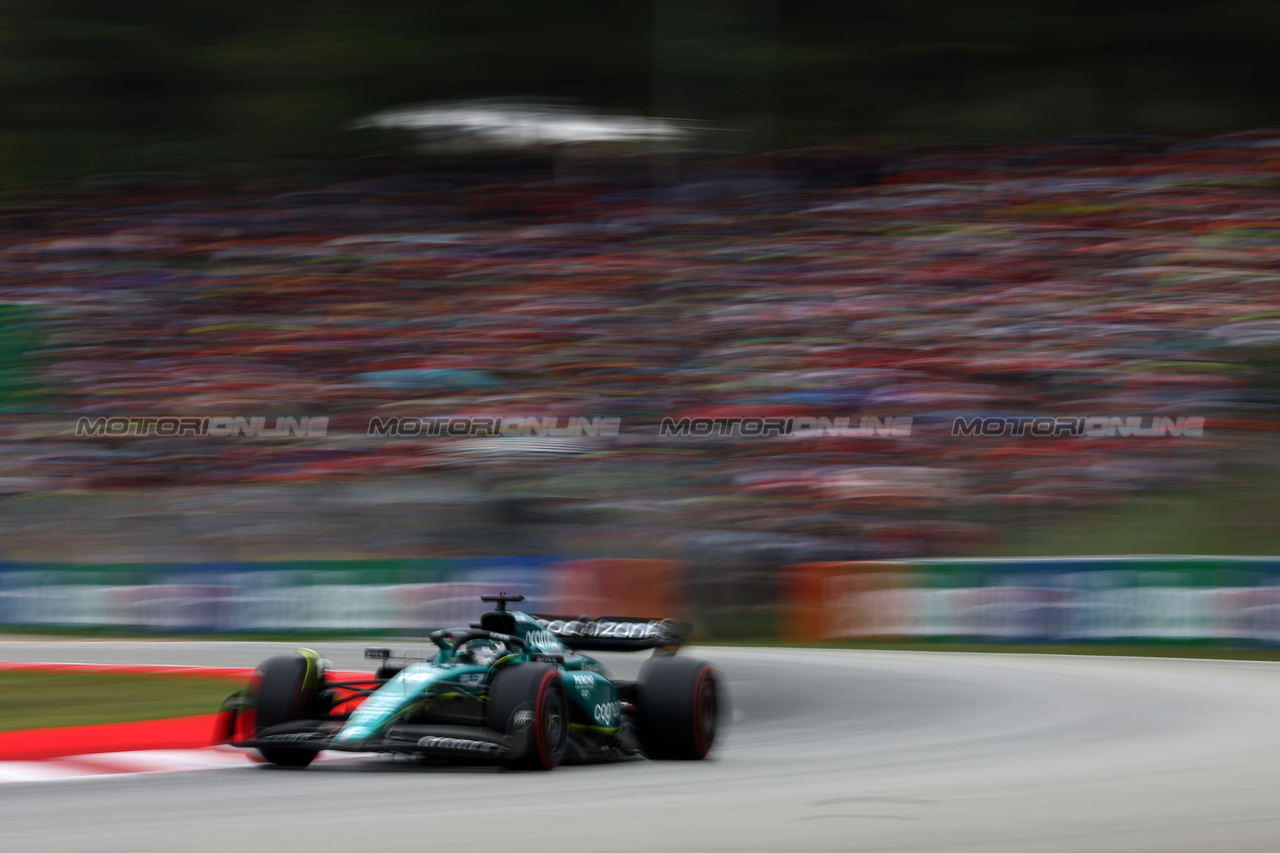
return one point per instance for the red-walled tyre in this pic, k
(283, 696)
(678, 705)
(527, 703)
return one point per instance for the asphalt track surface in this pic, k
(829, 750)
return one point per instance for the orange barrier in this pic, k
(845, 600)
(617, 587)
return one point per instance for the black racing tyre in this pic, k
(283, 696)
(527, 703)
(678, 705)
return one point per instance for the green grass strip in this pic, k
(47, 699)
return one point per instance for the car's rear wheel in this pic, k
(283, 696)
(527, 703)
(678, 704)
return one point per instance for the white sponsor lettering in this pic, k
(607, 630)
(459, 745)
(544, 639)
(606, 714)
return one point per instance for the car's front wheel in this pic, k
(285, 689)
(527, 703)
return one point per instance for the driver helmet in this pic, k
(482, 652)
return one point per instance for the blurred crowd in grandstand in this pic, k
(1107, 276)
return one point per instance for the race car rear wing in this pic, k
(616, 633)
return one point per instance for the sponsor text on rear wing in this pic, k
(616, 633)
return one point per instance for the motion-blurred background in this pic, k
(642, 211)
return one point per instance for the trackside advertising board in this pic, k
(1224, 600)
(398, 596)
(1061, 600)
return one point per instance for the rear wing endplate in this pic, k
(616, 633)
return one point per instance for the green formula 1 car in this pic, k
(512, 689)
